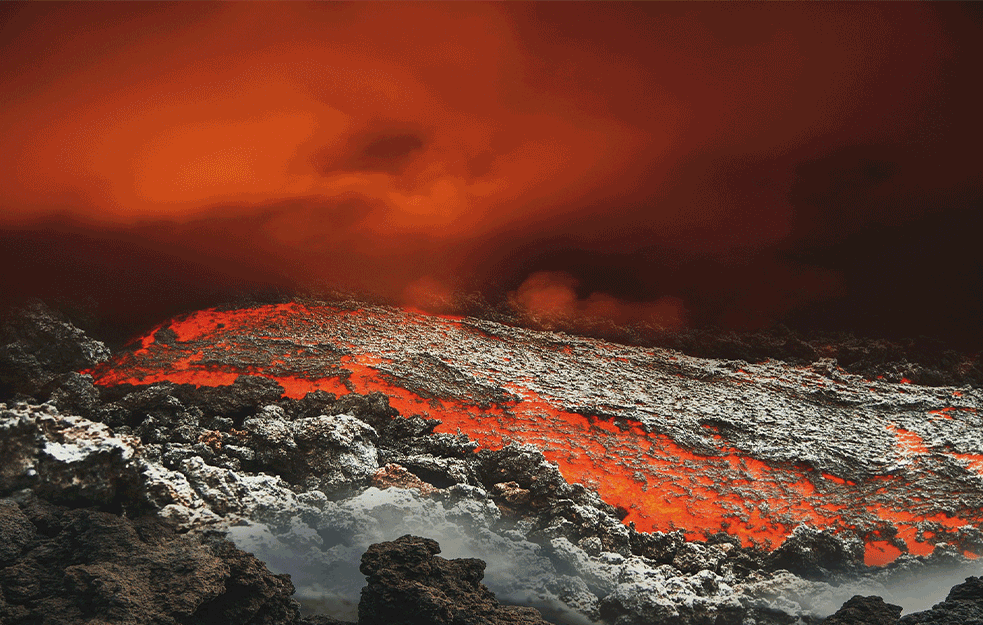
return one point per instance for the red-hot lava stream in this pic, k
(499, 386)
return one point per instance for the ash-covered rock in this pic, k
(61, 565)
(409, 584)
(65, 458)
(327, 453)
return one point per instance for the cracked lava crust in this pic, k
(675, 442)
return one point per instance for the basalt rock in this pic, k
(865, 611)
(74, 393)
(817, 555)
(548, 543)
(67, 566)
(68, 459)
(37, 345)
(146, 406)
(409, 584)
(236, 401)
(396, 476)
(371, 408)
(669, 440)
(963, 606)
(415, 435)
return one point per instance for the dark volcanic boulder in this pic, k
(36, 346)
(816, 554)
(67, 566)
(237, 401)
(865, 611)
(963, 606)
(409, 584)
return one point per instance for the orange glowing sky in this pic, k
(691, 163)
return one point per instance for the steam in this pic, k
(549, 300)
(917, 591)
(914, 584)
(323, 562)
(322, 556)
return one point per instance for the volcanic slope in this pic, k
(675, 442)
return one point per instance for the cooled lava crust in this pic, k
(676, 442)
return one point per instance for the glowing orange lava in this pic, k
(658, 483)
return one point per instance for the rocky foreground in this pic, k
(171, 503)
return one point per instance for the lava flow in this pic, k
(675, 442)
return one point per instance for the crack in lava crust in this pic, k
(677, 442)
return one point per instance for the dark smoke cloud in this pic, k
(734, 164)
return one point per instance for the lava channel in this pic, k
(675, 442)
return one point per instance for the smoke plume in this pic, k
(722, 164)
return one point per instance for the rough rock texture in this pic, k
(37, 346)
(307, 485)
(409, 584)
(963, 606)
(921, 360)
(820, 446)
(865, 611)
(327, 453)
(395, 476)
(547, 543)
(817, 555)
(68, 566)
(65, 458)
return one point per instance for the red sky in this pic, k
(735, 164)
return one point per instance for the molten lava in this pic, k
(675, 442)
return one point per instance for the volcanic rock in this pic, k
(409, 584)
(236, 401)
(328, 453)
(865, 611)
(570, 555)
(75, 394)
(65, 458)
(670, 441)
(61, 565)
(294, 477)
(818, 555)
(396, 476)
(37, 345)
(963, 606)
